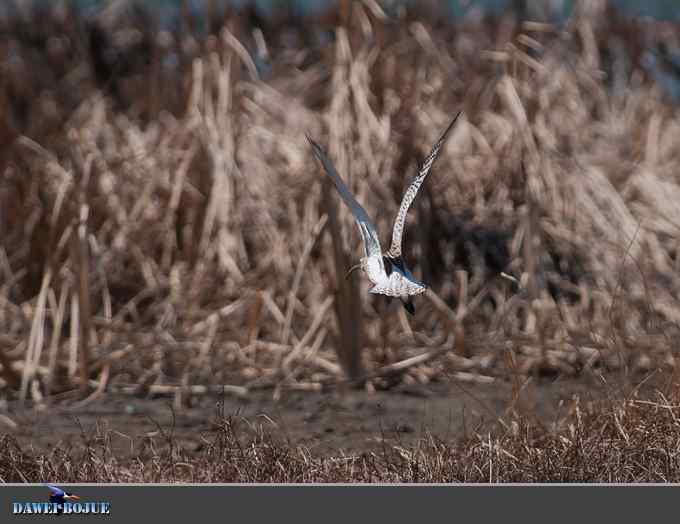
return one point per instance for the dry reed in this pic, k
(197, 221)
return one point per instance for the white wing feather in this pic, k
(366, 227)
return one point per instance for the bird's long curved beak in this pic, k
(511, 278)
(352, 270)
(71, 497)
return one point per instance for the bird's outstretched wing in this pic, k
(412, 190)
(55, 491)
(366, 227)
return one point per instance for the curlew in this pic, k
(386, 270)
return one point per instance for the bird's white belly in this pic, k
(397, 286)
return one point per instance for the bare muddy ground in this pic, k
(326, 423)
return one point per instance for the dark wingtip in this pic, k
(455, 118)
(312, 143)
(442, 138)
(316, 148)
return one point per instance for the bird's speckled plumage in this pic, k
(386, 271)
(412, 190)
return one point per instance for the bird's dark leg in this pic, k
(390, 263)
(408, 305)
(387, 262)
(399, 263)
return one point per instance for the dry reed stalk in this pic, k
(36, 338)
(234, 43)
(217, 133)
(58, 312)
(531, 245)
(309, 357)
(453, 320)
(273, 308)
(99, 389)
(462, 284)
(530, 42)
(237, 145)
(74, 339)
(254, 318)
(81, 254)
(306, 338)
(403, 366)
(222, 313)
(190, 389)
(113, 357)
(316, 233)
(171, 217)
(8, 423)
(347, 302)
(346, 14)
(206, 345)
(472, 378)
(11, 376)
(435, 51)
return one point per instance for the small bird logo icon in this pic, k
(59, 496)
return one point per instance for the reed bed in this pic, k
(166, 230)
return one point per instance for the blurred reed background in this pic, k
(164, 228)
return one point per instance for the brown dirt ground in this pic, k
(326, 423)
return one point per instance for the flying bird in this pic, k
(386, 270)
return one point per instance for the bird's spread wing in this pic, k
(366, 227)
(410, 194)
(55, 491)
